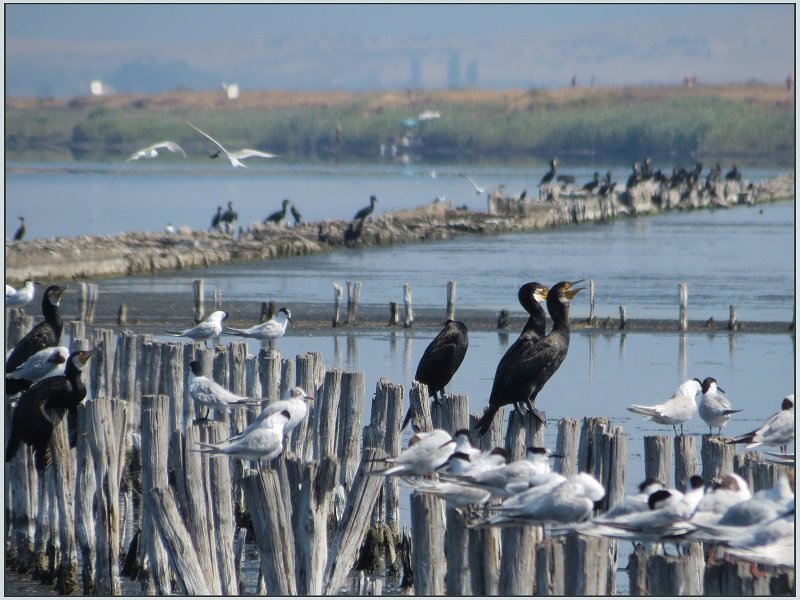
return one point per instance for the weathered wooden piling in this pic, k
(451, 299)
(623, 321)
(353, 294)
(199, 287)
(393, 319)
(408, 318)
(686, 464)
(759, 474)
(351, 407)
(683, 299)
(566, 447)
(337, 301)
(592, 320)
(657, 458)
(717, 458)
(733, 321)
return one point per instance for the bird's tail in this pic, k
(746, 438)
(647, 411)
(171, 332)
(233, 331)
(205, 448)
(485, 422)
(246, 402)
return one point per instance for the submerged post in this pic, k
(683, 294)
(337, 301)
(199, 293)
(353, 293)
(592, 317)
(451, 299)
(409, 318)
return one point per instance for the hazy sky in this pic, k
(57, 48)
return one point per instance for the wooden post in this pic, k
(686, 464)
(122, 315)
(353, 294)
(427, 556)
(348, 434)
(566, 447)
(337, 300)
(392, 314)
(327, 404)
(592, 317)
(349, 536)
(717, 456)
(451, 413)
(199, 295)
(733, 323)
(657, 458)
(84, 500)
(63, 502)
(676, 575)
(623, 322)
(269, 373)
(408, 320)
(451, 299)
(602, 453)
(267, 311)
(217, 299)
(306, 379)
(683, 295)
(759, 474)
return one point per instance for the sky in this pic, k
(56, 49)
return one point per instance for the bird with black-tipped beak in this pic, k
(266, 332)
(676, 410)
(208, 393)
(208, 329)
(21, 296)
(714, 408)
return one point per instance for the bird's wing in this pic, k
(506, 372)
(780, 426)
(468, 178)
(248, 152)
(137, 155)
(208, 136)
(171, 146)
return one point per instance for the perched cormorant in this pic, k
(229, 218)
(298, 218)
(532, 360)
(635, 177)
(734, 174)
(550, 175)
(367, 210)
(278, 215)
(593, 184)
(608, 185)
(42, 406)
(45, 334)
(647, 169)
(20, 232)
(441, 359)
(216, 220)
(353, 232)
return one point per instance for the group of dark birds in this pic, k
(41, 405)
(679, 177)
(527, 365)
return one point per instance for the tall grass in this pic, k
(623, 123)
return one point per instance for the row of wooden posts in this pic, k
(133, 478)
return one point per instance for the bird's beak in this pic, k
(58, 292)
(721, 390)
(307, 397)
(86, 355)
(571, 292)
(290, 321)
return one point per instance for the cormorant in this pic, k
(20, 232)
(298, 218)
(532, 360)
(45, 334)
(647, 169)
(550, 175)
(367, 210)
(634, 177)
(608, 185)
(229, 218)
(41, 408)
(441, 360)
(733, 175)
(216, 220)
(352, 233)
(278, 215)
(593, 184)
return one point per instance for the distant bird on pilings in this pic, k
(440, 360)
(593, 184)
(353, 232)
(551, 174)
(20, 232)
(608, 185)
(298, 218)
(278, 215)
(229, 218)
(216, 220)
(635, 177)
(733, 175)
(647, 169)
(366, 211)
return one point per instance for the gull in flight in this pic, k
(478, 189)
(237, 156)
(152, 151)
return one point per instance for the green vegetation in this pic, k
(745, 123)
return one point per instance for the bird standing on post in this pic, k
(278, 215)
(534, 360)
(269, 331)
(298, 218)
(22, 296)
(678, 409)
(216, 221)
(440, 360)
(714, 408)
(206, 330)
(42, 407)
(551, 174)
(777, 430)
(45, 334)
(210, 394)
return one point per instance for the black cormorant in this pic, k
(635, 177)
(42, 406)
(20, 232)
(298, 218)
(532, 359)
(367, 210)
(45, 334)
(608, 185)
(229, 218)
(732, 175)
(216, 220)
(441, 360)
(278, 215)
(593, 184)
(353, 232)
(550, 175)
